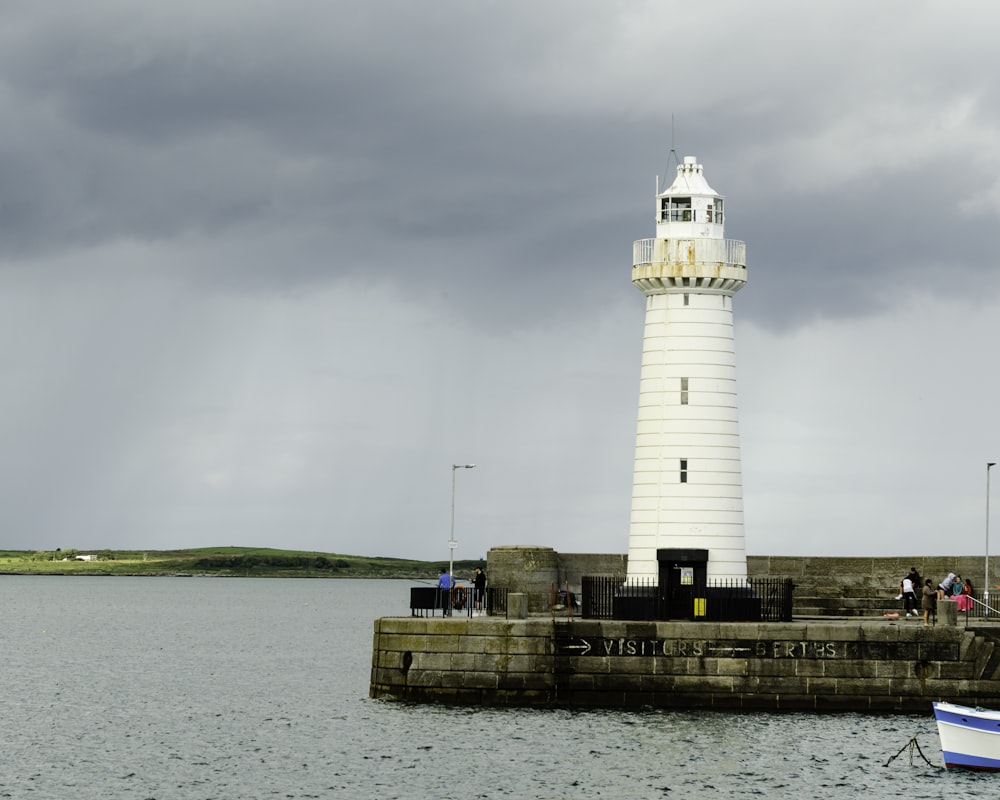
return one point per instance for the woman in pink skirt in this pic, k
(964, 600)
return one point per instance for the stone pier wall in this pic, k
(824, 586)
(534, 570)
(875, 666)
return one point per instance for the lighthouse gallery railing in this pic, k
(730, 252)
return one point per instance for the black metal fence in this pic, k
(756, 599)
(496, 602)
(461, 601)
(978, 609)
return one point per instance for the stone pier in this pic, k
(864, 665)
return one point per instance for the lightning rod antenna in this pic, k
(672, 154)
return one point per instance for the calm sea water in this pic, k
(240, 688)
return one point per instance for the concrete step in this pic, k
(845, 606)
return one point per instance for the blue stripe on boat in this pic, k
(970, 762)
(966, 721)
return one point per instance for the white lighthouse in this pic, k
(687, 495)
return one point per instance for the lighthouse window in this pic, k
(684, 391)
(676, 209)
(680, 209)
(684, 470)
(718, 212)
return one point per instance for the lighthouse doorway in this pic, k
(683, 578)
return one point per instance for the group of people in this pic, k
(446, 586)
(952, 588)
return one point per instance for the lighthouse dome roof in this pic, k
(690, 180)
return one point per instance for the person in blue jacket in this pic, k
(444, 592)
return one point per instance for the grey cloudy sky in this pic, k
(268, 269)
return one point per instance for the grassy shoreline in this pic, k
(231, 562)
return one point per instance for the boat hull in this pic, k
(970, 737)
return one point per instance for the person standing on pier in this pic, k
(908, 591)
(444, 592)
(479, 590)
(928, 601)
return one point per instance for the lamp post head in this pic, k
(462, 466)
(990, 464)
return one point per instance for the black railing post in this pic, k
(786, 605)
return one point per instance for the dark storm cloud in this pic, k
(840, 252)
(484, 146)
(422, 136)
(405, 151)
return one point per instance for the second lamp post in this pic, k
(452, 544)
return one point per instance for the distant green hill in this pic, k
(237, 562)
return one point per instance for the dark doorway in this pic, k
(683, 578)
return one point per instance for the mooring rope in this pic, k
(910, 746)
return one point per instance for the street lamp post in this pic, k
(986, 571)
(452, 544)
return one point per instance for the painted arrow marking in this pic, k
(584, 647)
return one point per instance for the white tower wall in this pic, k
(687, 487)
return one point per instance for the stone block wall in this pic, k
(860, 586)
(534, 570)
(874, 666)
(493, 662)
(824, 586)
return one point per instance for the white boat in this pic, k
(970, 737)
